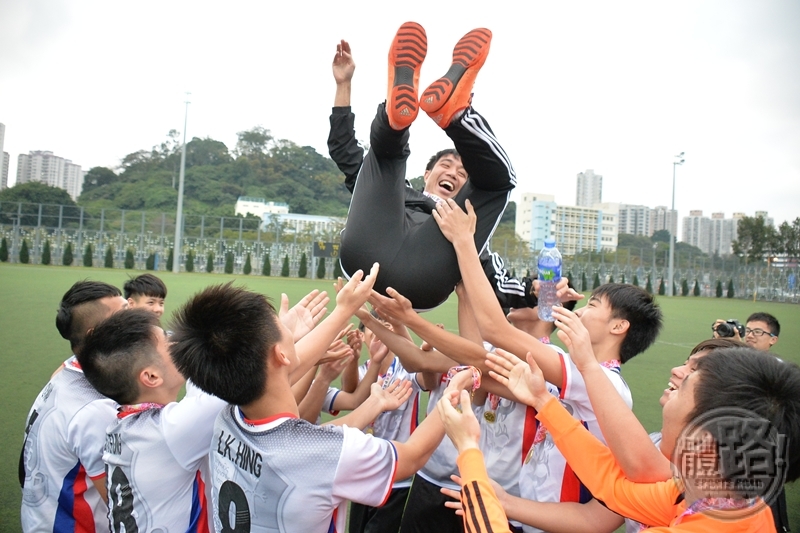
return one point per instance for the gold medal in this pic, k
(489, 416)
(529, 456)
(370, 431)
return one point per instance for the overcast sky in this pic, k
(618, 87)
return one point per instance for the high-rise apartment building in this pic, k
(635, 220)
(664, 218)
(590, 189)
(44, 167)
(4, 159)
(697, 230)
(576, 229)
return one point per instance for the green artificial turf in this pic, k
(32, 348)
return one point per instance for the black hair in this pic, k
(771, 321)
(440, 154)
(759, 383)
(145, 285)
(639, 308)
(117, 350)
(220, 341)
(80, 310)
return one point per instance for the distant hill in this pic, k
(260, 166)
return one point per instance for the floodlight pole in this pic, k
(678, 161)
(176, 263)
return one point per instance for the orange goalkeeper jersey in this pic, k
(659, 504)
(482, 510)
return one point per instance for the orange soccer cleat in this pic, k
(406, 55)
(451, 93)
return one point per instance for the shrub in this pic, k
(266, 266)
(285, 267)
(719, 288)
(662, 289)
(210, 262)
(596, 281)
(88, 256)
(190, 261)
(170, 260)
(696, 290)
(229, 262)
(109, 260)
(46, 253)
(4, 250)
(321, 268)
(247, 266)
(130, 262)
(684, 288)
(24, 253)
(302, 270)
(730, 289)
(67, 258)
(150, 262)
(649, 286)
(337, 269)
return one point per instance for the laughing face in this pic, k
(679, 373)
(446, 177)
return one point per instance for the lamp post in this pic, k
(176, 262)
(678, 161)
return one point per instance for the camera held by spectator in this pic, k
(728, 328)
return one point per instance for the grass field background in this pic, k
(31, 348)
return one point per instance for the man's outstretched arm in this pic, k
(458, 227)
(342, 144)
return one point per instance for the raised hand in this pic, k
(393, 396)
(462, 427)
(453, 221)
(377, 351)
(575, 336)
(343, 65)
(355, 292)
(525, 381)
(395, 307)
(305, 315)
(337, 351)
(332, 369)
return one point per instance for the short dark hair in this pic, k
(757, 382)
(80, 310)
(715, 344)
(640, 309)
(771, 321)
(220, 341)
(145, 285)
(117, 350)
(440, 154)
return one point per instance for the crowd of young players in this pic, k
(108, 444)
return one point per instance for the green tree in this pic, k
(755, 240)
(649, 286)
(285, 267)
(24, 254)
(266, 266)
(730, 293)
(46, 253)
(88, 255)
(210, 262)
(229, 262)
(684, 288)
(35, 192)
(109, 259)
(636, 280)
(150, 262)
(130, 262)
(719, 288)
(611, 278)
(584, 283)
(337, 269)
(190, 261)
(170, 260)
(696, 290)
(596, 282)
(302, 270)
(4, 250)
(321, 268)
(97, 177)
(662, 289)
(247, 266)
(661, 235)
(67, 258)
(623, 279)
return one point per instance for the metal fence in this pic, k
(152, 233)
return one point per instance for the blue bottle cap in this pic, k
(550, 243)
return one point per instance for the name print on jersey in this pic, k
(113, 444)
(245, 458)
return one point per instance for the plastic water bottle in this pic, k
(549, 276)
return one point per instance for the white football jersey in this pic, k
(283, 474)
(63, 449)
(154, 457)
(545, 475)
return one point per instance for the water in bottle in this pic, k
(549, 276)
